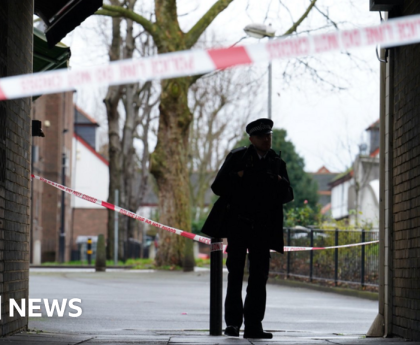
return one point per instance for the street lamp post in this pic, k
(261, 31)
(62, 238)
(269, 88)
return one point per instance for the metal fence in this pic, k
(354, 266)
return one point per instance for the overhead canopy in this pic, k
(383, 5)
(46, 58)
(62, 16)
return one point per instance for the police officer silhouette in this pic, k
(253, 185)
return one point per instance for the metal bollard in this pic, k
(362, 264)
(216, 286)
(336, 259)
(311, 257)
(89, 251)
(289, 243)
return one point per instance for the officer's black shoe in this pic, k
(232, 331)
(257, 335)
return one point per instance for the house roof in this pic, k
(324, 192)
(323, 170)
(91, 149)
(323, 180)
(343, 177)
(83, 118)
(375, 153)
(374, 125)
(323, 177)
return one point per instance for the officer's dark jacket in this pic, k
(258, 196)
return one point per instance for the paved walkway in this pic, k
(126, 307)
(193, 338)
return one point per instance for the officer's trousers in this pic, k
(259, 259)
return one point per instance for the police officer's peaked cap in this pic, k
(259, 127)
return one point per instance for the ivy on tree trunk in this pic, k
(169, 167)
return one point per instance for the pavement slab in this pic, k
(161, 307)
(195, 338)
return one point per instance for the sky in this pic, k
(325, 125)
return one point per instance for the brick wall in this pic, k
(15, 135)
(50, 154)
(89, 222)
(37, 188)
(406, 185)
(58, 110)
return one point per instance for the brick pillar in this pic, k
(15, 139)
(405, 164)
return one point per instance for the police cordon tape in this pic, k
(393, 32)
(112, 207)
(218, 246)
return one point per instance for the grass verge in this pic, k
(137, 264)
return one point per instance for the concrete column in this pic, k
(377, 328)
(389, 196)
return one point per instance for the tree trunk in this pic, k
(169, 167)
(122, 164)
(169, 161)
(129, 165)
(144, 176)
(111, 101)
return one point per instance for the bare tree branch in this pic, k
(294, 27)
(267, 11)
(195, 32)
(111, 10)
(327, 16)
(287, 9)
(317, 77)
(212, 132)
(108, 13)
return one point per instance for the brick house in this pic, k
(69, 130)
(355, 193)
(90, 176)
(51, 156)
(323, 177)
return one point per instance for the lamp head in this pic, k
(259, 30)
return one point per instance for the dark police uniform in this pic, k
(249, 213)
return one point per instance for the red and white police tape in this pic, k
(214, 246)
(124, 211)
(394, 32)
(218, 245)
(299, 249)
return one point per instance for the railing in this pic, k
(352, 267)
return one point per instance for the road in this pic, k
(135, 301)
